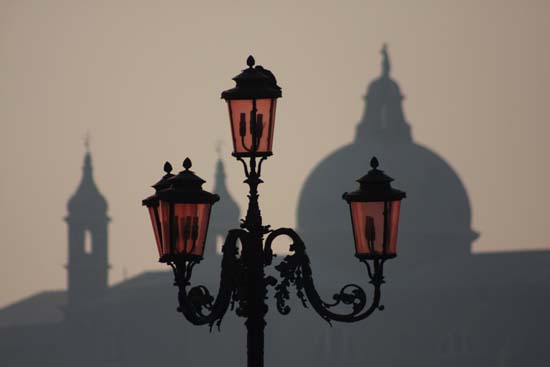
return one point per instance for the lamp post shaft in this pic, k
(256, 306)
(253, 256)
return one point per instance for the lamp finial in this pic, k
(187, 164)
(250, 61)
(167, 167)
(374, 163)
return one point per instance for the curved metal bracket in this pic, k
(196, 304)
(295, 270)
(240, 159)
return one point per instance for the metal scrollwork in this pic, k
(196, 304)
(245, 294)
(295, 270)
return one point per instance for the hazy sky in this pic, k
(144, 77)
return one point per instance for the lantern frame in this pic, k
(183, 189)
(375, 187)
(152, 203)
(256, 91)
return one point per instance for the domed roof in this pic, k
(436, 207)
(87, 200)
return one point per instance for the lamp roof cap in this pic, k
(374, 186)
(186, 187)
(255, 82)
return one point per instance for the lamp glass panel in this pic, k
(153, 214)
(241, 130)
(369, 227)
(164, 219)
(395, 207)
(190, 227)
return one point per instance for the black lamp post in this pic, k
(180, 212)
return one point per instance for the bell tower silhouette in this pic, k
(87, 239)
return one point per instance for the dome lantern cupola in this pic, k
(383, 116)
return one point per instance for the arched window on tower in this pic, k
(88, 242)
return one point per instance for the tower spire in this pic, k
(87, 141)
(219, 145)
(220, 186)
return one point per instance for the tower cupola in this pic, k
(87, 200)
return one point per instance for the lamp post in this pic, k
(180, 212)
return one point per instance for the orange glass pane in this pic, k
(374, 237)
(241, 129)
(153, 214)
(164, 218)
(191, 226)
(395, 207)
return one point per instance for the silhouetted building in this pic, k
(444, 306)
(225, 215)
(436, 216)
(87, 238)
(133, 323)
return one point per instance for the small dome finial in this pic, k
(187, 164)
(385, 60)
(167, 167)
(374, 163)
(250, 61)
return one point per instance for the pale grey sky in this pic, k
(144, 77)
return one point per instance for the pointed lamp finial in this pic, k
(187, 164)
(374, 163)
(167, 167)
(250, 61)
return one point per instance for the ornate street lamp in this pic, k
(375, 215)
(180, 212)
(252, 106)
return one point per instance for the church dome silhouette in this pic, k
(87, 200)
(436, 215)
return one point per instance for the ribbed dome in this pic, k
(436, 216)
(87, 200)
